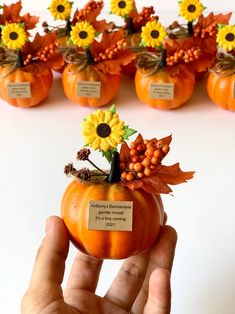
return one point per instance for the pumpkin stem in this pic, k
(163, 59)
(90, 59)
(94, 165)
(190, 29)
(115, 173)
(20, 62)
(68, 28)
(130, 25)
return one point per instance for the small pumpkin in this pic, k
(72, 75)
(38, 74)
(148, 216)
(183, 83)
(221, 90)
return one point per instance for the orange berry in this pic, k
(160, 144)
(135, 159)
(157, 153)
(131, 166)
(140, 147)
(140, 175)
(154, 160)
(123, 175)
(147, 172)
(130, 177)
(149, 152)
(133, 152)
(138, 167)
(146, 162)
(141, 157)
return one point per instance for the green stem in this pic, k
(190, 28)
(20, 62)
(163, 59)
(115, 174)
(90, 59)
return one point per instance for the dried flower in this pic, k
(68, 169)
(84, 174)
(83, 154)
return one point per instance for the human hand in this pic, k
(142, 284)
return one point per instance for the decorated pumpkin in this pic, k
(118, 213)
(221, 80)
(26, 86)
(89, 86)
(25, 66)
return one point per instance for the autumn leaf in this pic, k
(204, 22)
(125, 153)
(11, 14)
(173, 174)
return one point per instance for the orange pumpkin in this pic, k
(72, 76)
(147, 219)
(221, 90)
(184, 83)
(37, 74)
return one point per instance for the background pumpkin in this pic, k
(72, 75)
(183, 87)
(221, 90)
(147, 217)
(38, 74)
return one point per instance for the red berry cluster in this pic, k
(145, 156)
(210, 30)
(91, 6)
(186, 56)
(110, 53)
(145, 16)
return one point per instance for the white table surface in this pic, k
(35, 144)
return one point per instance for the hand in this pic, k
(141, 286)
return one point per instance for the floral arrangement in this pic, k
(138, 166)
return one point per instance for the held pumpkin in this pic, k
(221, 90)
(38, 74)
(147, 218)
(183, 83)
(72, 75)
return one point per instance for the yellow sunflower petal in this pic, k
(60, 9)
(122, 7)
(191, 9)
(104, 145)
(153, 34)
(14, 36)
(82, 34)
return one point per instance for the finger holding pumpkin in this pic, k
(117, 213)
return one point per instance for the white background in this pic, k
(35, 144)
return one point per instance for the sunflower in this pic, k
(153, 34)
(60, 9)
(14, 36)
(82, 34)
(122, 8)
(191, 9)
(103, 130)
(226, 37)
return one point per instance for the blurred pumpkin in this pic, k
(38, 74)
(73, 74)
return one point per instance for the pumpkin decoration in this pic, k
(61, 10)
(118, 213)
(221, 80)
(199, 34)
(25, 71)
(134, 21)
(92, 76)
(159, 82)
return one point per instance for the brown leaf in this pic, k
(205, 21)
(166, 140)
(125, 153)
(134, 185)
(155, 185)
(173, 174)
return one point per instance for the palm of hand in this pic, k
(141, 286)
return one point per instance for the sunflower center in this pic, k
(83, 34)
(155, 34)
(60, 8)
(103, 130)
(230, 37)
(191, 8)
(13, 35)
(122, 4)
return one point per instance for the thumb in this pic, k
(159, 298)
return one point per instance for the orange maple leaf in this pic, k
(11, 14)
